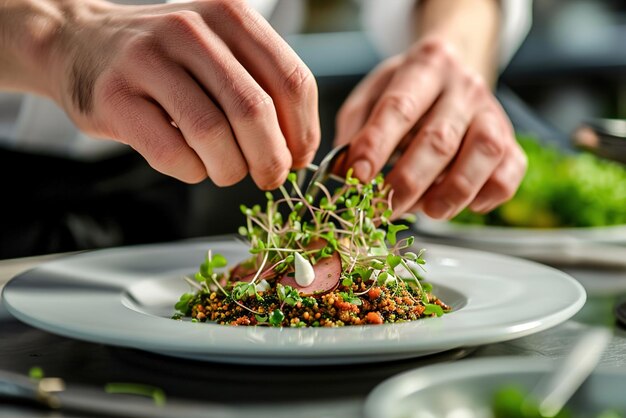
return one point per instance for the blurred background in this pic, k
(571, 68)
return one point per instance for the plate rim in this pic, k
(495, 335)
(496, 234)
(378, 400)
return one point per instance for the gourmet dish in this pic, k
(561, 190)
(327, 263)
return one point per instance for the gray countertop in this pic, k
(213, 389)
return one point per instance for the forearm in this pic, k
(471, 26)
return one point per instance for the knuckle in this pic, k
(254, 105)
(436, 50)
(271, 171)
(402, 105)
(182, 19)
(113, 91)
(230, 177)
(522, 160)
(370, 139)
(460, 189)
(475, 82)
(167, 155)
(442, 140)
(206, 126)
(309, 144)
(143, 48)
(234, 11)
(490, 144)
(503, 188)
(298, 83)
(411, 187)
(195, 176)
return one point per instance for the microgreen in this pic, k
(157, 394)
(36, 373)
(431, 308)
(353, 221)
(350, 298)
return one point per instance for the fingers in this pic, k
(249, 109)
(411, 92)
(481, 153)
(503, 183)
(204, 127)
(150, 133)
(431, 150)
(357, 107)
(272, 62)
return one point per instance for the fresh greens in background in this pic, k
(511, 402)
(561, 190)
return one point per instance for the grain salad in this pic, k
(334, 262)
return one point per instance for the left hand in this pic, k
(457, 147)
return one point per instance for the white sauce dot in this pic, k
(304, 271)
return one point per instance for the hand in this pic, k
(456, 146)
(204, 88)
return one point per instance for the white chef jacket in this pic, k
(36, 124)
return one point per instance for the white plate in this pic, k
(125, 297)
(465, 389)
(592, 245)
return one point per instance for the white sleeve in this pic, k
(390, 25)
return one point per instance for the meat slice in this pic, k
(327, 273)
(239, 273)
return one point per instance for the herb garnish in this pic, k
(378, 276)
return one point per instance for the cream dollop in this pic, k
(304, 274)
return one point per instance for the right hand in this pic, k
(204, 88)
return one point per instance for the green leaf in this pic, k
(393, 260)
(410, 256)
(350, 298)
(276, 318)
(218, 261)
(183, 303)
(392, 230)
(261, 318)
(427, 287)
(432, 308)
(347, 282)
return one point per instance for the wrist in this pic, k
(470, 28)
(37, 45)
(31, 27)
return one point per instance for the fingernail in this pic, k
(362, 170)
(439, 209)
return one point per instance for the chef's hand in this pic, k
(203, 88)
(455, 144)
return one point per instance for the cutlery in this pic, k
(554, 391)
(321, 173)
(53, 394)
